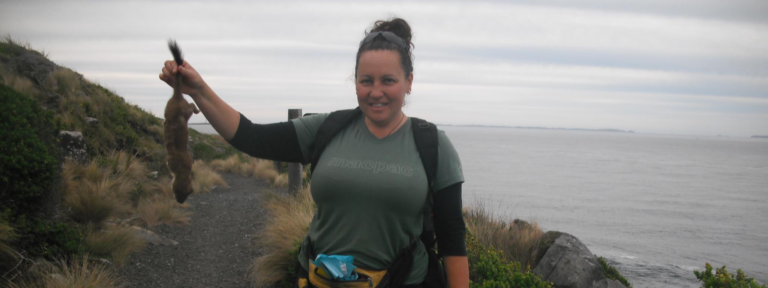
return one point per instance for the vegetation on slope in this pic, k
(723, 279)
(99, 196)
(612, 273)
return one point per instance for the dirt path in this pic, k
(214, 250)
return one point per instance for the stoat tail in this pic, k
(179, 60)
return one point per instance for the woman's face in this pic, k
(381, 86)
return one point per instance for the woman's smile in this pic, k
(381, 87)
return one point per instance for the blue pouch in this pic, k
(337, 267)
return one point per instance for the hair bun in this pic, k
(398, 26)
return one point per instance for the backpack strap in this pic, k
(425, 136)
(332, 125)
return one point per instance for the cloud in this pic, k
(552, 63)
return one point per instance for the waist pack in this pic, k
(394, 276)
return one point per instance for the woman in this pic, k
(372, 214)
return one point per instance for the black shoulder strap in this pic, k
(336, 121)
(425, 135)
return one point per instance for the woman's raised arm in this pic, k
(222, 117)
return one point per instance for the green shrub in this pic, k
(488, 268)
(612, 273)
(209, 147)
(723, 279)
(50, 239)
(203, 152)
(28, 155)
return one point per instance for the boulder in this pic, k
(153, 238)
(73, 145)
(568, 263)
(154, 174)
(608, 283)
(91, 120)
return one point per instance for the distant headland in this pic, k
(760, 136)
(544, 128)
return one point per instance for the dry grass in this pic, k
(115, 244)
(92, 203)
(253, 167)
(79, 273)
(285, 228)
(204, 178)
(67, 81)
(156, 130)
(118, 185)
(160, 206)
(21, 84)
(233, 164)
(163, 210)
(8, 256)
(280, 181)
(517, 239)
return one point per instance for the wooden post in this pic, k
(294, 169)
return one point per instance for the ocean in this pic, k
(657, 207)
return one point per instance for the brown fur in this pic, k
(179, 161)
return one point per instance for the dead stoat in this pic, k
(177, 113)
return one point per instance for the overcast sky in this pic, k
(695, 67)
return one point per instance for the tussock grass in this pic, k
(517, 239)
(285, 228)
(118, 185)
(233, 164)
(8, 256)
(77, 273)
(253, 167)
(20, 84)
(156, 130)
(280, 181)
(92, 203)
(158, 211)
(67, 81)
(115, 244)
(204, 178)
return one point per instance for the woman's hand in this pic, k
(222, 117)
(192, 83)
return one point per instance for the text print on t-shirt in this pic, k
(376, 167)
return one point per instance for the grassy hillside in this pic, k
(54, 208)
(74, 100)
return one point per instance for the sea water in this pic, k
(656, 207)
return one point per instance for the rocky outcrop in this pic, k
(73, 145)
(568, 263)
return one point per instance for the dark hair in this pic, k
(400, 28)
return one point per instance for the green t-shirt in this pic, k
(370, 193)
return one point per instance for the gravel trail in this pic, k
(214, 250)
